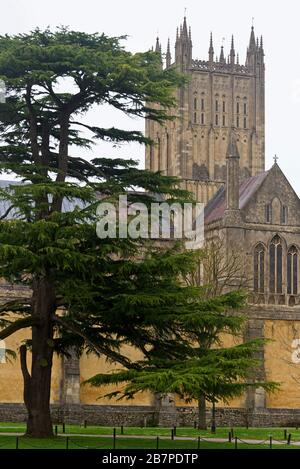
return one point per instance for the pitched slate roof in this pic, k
(215, 208)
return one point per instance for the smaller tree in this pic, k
(216, 271)
(204, 367)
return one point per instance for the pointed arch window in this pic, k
(259, 268)
(276, 265)
(202, 104)
(292, 271)
(202, 118)
(283, 214)
(268, 209)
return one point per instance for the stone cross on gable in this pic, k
(275, 158)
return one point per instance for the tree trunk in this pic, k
(37, 386)
(213, 418)
(202, 413)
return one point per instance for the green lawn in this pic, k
(10, 442)
(222, 432)
(99, 441)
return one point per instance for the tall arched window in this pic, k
(276, 265)
(268, 209)
(2, 351)
(259, 268)
(292, 271)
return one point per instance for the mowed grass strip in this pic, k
(222, 432)
(59, 442)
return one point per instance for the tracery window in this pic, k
(292, 271)
(276, 265)
(259, 268)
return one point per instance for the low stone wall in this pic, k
(147, 416)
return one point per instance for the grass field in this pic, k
(59, 442)
(222, 432)
(97, 440)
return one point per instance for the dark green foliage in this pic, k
(86, 293)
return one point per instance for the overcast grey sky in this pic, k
(278, 21)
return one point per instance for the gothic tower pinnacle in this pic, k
(211, 50)
(183, 46)
(168, 55)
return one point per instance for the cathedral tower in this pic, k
(220, 95)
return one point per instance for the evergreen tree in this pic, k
(86, 292)
(205, 367)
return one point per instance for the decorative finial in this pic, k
(275, 158)
(252, 42)
(222, 57)
(157, 46)
(261, 43)
(252, 22)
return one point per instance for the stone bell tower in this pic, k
(221, 94)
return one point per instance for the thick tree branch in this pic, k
(17, 325)
(7, 212)
(18, 305)
(98, 348)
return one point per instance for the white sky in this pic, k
(141, 20)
